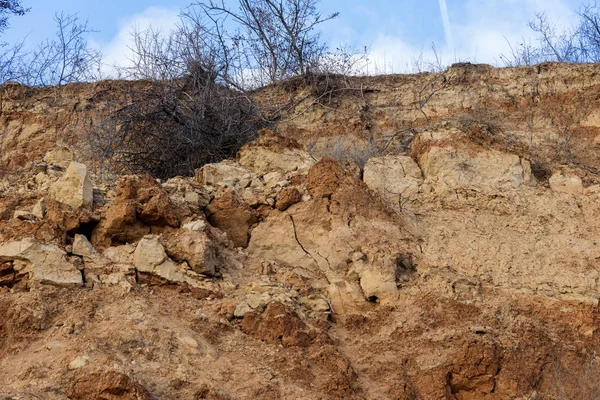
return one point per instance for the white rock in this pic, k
(225, 173)
(44, 263)
(39, 209)
(197, 226)
(74, 188)
(24, 215)
(449, 168)
(82, 246)
(79, 362)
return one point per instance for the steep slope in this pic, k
(450, 252)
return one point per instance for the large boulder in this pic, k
(188, 197)
(74, 188)
(321, 236)
(452, 168)
(395, 178)
(59, 156)
(450, 162)
(232, 215)
(43, 263)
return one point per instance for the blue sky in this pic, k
(396, 31)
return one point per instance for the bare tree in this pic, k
(63, 59)
(556, 45)
(8, 7)
(589, 32)
(270, 39)
(521, 54)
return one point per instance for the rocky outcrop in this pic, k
(274, 153)
(449, 162)
(139, 204)
(40, 263)
(395, 178)
(231, 214)
(565, 180)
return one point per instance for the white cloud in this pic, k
(117, 51)
(480, 32)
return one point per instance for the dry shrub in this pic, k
(171, 128)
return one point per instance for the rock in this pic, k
(466, 165)
(187, 196)
(82, 246)
(79, 362)
(24, 215)
(273, 152)
(287, 197)
(120, 254)
(149, 254)
(119, 224)
(277, 324)
(227, 173)
(197, 226)
(43, 263)
(59, 156)
(153, 205)
(195, 248)
(139, 203)
(242, 309)
(150, 257)
(74, 188)
(395, 178)
(232, 215)
(39, 209)
(110, 385)
(564, 180)
(378, 285)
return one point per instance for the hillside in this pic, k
(429, 236)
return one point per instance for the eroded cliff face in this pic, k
(458, 261)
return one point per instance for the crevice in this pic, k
(298, 241)
(83, 277)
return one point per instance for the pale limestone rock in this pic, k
(79, 362)
(120, 254)
(39, 209)
(24, 215)
(226, 173)
(82, 246)
(566, 181)
(263, 160)
(449, 168)
(74, 188)
(60, 156)
(395, 178)
(196, 226)
(379, 284)
(150, 256)
(44, 263)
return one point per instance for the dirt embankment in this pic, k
(451, 250)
